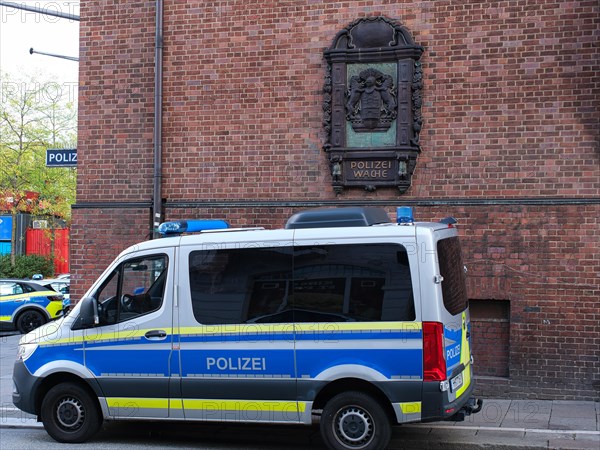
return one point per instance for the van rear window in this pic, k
(454, 289)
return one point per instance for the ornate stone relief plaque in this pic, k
(372, 105)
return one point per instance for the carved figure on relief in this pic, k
(371, 100)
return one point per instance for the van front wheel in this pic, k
(355, 421)
(70, 414)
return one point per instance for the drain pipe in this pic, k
(158, 91)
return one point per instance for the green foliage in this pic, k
(26, 266)
(36, 114)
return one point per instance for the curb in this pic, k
(33, 423)
(506, 429)
(21, 423)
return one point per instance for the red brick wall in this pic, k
(100, 235)
(510, 114)
(491, 347)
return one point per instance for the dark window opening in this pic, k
(490, 325)
(452, 269)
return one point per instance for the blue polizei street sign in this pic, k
(64, 157)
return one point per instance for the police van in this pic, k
(342, 318)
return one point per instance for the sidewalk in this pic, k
(521, 424)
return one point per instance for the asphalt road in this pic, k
(134, 435)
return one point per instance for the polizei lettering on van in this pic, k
(453, 352)
(241, 363)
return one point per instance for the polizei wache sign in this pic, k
(63, 157)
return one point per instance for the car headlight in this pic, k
(25, 351)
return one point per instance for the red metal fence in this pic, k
(47, 243)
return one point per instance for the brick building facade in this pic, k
(510, 147)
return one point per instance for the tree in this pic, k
(36, 114)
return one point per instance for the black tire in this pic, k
(29, 320)
(70, 414)
(355, 421)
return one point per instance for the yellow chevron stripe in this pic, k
(243, 329)
(131, 402)
(410, 407)
(207, 404)
(244, 405)
(465, 357)
(26, 296)
(359, 326)
(261, 328)
(175, 403)
(107, 336)
(54, 308)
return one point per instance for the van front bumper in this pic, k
(24, 387)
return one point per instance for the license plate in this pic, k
(456, 382)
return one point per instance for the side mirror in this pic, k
(88, 314)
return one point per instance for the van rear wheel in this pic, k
(355, 421)
(70, 414)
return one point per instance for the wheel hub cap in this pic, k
(354, 427)
(69, 413)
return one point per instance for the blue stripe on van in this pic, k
(45, 354)
(252, 363)
(128, 362)
(390, 363)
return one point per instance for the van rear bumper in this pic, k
(473, 406)
(436, 405)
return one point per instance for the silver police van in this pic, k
(342, 317)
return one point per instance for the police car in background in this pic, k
(60, 285)
(26, 305)
(342, 314)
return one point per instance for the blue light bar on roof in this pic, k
(404, 215)
(190, 226)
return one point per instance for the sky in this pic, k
(21, 30)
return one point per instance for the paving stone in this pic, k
(491, 414)
(569, 423)
(573, 409)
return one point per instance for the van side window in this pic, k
(353, 282)
(135, 288)
(237, 285)
(330, 283)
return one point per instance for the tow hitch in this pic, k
(473, 406)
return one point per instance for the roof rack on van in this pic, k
(449, 221)
(338, 217)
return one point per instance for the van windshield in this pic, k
(454, 288)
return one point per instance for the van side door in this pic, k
(356, 316)
(129, 350)
(236, 339)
